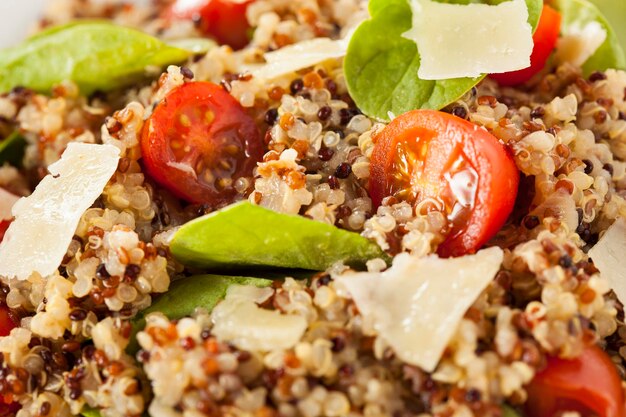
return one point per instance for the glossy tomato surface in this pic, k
(588, 384)
(544, 38)
(223, 20)
(198, 142)
(460, 168)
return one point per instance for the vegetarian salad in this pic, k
(306, 208)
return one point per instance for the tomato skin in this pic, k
(545, 39)
(437, 143)
(4, 225)
(223, 20)
(198, 141)
(589, 384)
(6, 322)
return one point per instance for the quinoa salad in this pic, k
(307, 208)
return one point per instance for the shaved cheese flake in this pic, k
(579, 44)
(457, 41)
(607, 256)
(416, 305)
(7, 200)
(45, 222)
(299, 56)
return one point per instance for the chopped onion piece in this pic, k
(457, 40)
(7, 200)
(240, 321)
(45, 221)
(579, 44)
(607, 257)
(416, 305)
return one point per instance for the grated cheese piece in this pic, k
(607, 257)
(416, 305)
(470, 40)
(579, 44)
(7, 200)
(299, 56)
(45, 221)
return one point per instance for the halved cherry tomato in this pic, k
(588, 384)
(198, 141)
(545, 38)
(4, 225)
(463, 169)
(223, 20)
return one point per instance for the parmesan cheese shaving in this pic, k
(299, 56)
(45, 222)
(416, 305)
(457, 41)
(607, 256)
(579, 44)
(7, 200)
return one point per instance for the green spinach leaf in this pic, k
(581, 12)
(185, 295)
(12, 149)
(95, 55)
(90, 412)
(245, 235)
(381, 66)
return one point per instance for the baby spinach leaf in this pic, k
(381, 66)
(579, 13)
(90, 412)
(95, 55)
(12, 149)
(245, 235)
(185, 295)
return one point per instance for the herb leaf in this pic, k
(245, 235)
(185, 295)
(12, 149)
(95, 55)
(581, 12)
(381, 66)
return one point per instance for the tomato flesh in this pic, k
(198, 142)
(588, 384)
(544, 39)
(461, 169)
(223, 20)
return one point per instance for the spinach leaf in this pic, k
(95, 55)
(381, 66)
(90, 412)
(12, 149)
(185, 295)
(581, 12)
(246, 235)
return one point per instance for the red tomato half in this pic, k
(4, 225)
(545, 38)
(430, 154)
(224, 20)
(588, 384)
(198, 141)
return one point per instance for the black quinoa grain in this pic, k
(597, 76)
(608, 168)
(331, 86)
(588, 166)
(78, 314)
(459, 111)
(333, 182)
(472, 395)
(324, 113)
(530, 222)
(621, 115)
(243, 356)
(271, 116)
(44, 409)
(343, 171)
(566, 261)
(296, 86)
(325, 154)
(538, 113)
(132, 271)
(143, 356)
(75, 394)
(102, 273)
(345, 116)
(70, 346)
(339, 344)
(206, 333)
(187, 73)
(323, 280)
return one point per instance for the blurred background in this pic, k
(16, 17)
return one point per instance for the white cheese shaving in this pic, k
(607, 256)
(45, 222)
(240, 321)
(7, 200)
(456, 40)
(416, 305)
(579, 44)
(299, 56)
